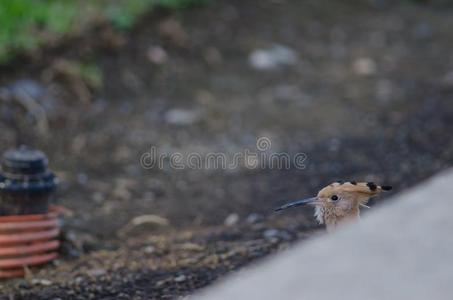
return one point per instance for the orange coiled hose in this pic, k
(27, 240)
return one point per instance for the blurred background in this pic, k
(364, 88)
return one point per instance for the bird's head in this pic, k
(339, 201)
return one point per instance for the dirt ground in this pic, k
(365, 92)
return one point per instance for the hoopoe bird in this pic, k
(339, 202)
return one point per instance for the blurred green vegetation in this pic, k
(25, 24)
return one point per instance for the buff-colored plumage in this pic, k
(339, 202)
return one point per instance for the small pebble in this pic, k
(364, 66)
(231, 220)
(180, 278)
(149, 249)
(178, 116)
(272, 58)
(253, 218)
(78, 280)
(157, 55)
(44, 282)
(97, 272)
(271, 233)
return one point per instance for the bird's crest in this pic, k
(367, 188)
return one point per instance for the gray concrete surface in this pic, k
(401, 250)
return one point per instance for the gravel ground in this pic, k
(363, 90)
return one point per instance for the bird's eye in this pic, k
(334, 198)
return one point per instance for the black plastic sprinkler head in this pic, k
(26, 183)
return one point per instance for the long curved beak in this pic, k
(297, 203)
